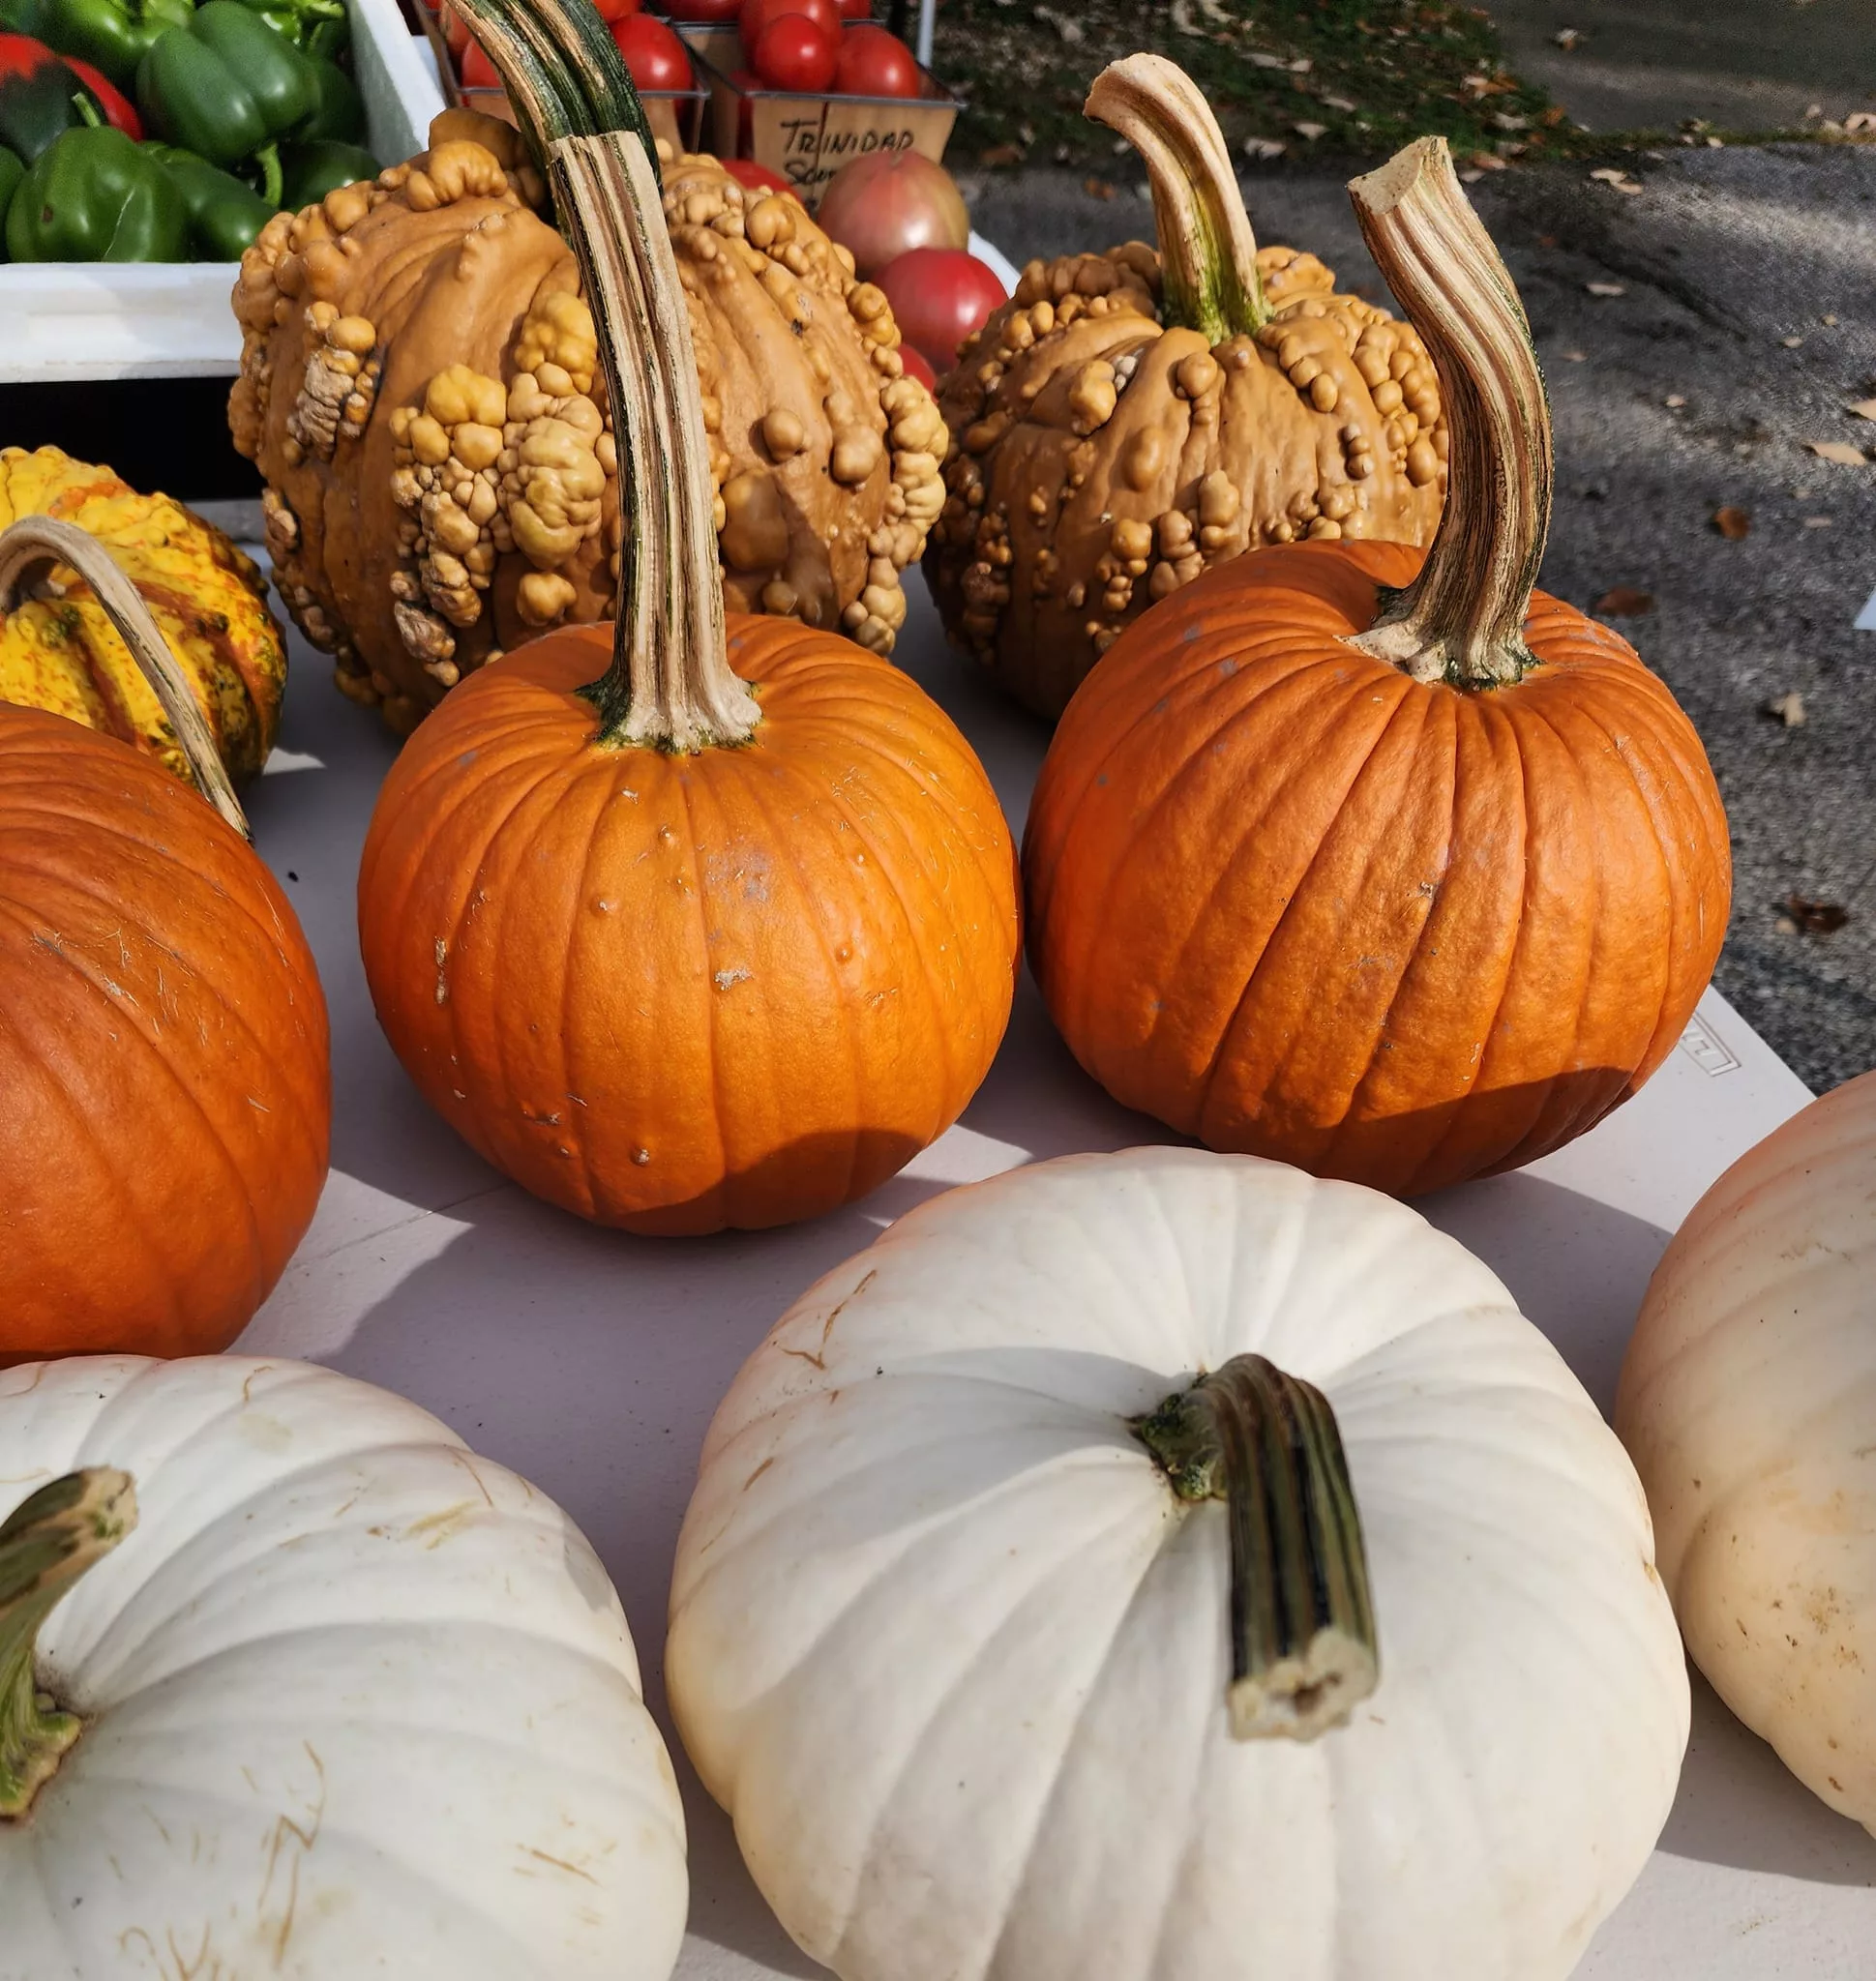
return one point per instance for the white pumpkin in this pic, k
(353, 1702)
(1748, 1404)
(956, 1658)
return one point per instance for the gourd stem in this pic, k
(45, 1545)
(1303, 1624)
(1462, 619)
(670, 686)
(1207, 251)
(36, 541)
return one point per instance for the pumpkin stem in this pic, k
(45, 1545)
(36, 541)
(1462, 619)
(670, 686)
(1207, 251)
(1303, 1624)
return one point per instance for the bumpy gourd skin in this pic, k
(420, 388)
(1100, 461)
(59, 651)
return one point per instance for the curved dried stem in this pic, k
(1206, 249)
(1462, 619)
(670, 685)
(37, 541)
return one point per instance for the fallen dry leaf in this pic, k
(1259, 60)
(1817, 522)
(1864, 408)
(1263, 148)
(1576, 357)
(1839, 451)
(1341, 103)
(1312, 132)
(1097, 189)
(1816, 917)
(1675, 400)
(1788, 709)
(1791, 343)
(1733, 522)
(1566, 37)
(1625, 602)
(1860, 120)
(1605, 288)
(1614, 176)
(1001, 155)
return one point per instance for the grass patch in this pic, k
(1344, 77)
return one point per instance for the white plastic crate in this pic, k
(98, 319)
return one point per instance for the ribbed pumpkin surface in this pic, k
(675, 993)
(209, 599)
(162, 1057)
(1295, 904)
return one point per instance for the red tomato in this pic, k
(875, 64)
(478, 72)
(456, 31)
(704, 12)
(917, 366)
(759, 178)
(110, 99)
(610, 11)
(653, 54)
(856, 10)
(756, 14)
(939, 296)
(797, 55)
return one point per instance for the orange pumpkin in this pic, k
(163, 1035)
(691, 944)
(1382, 865)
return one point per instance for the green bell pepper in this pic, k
(25, 17)
(95, 195)
(313, 25)
(228, 88)
(13, 169)
(224, 213)
(339, 112)
(113, 35)
(309, 172)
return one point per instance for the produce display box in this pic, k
(427, 1272)
(808, 139)
(676, 114)
(91, 320)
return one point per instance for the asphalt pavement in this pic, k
(1729, 326)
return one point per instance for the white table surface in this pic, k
(591, 1361)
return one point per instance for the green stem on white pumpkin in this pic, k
(1302, 1623)
(1462, 619)
(37, 541)
(1207, 252)
(45, 1545)
(670, 686)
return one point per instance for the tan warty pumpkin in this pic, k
(1128, 419)
(419, 388)
(60, 651)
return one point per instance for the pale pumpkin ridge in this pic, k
(987, 1638)
(197, 979)
(1151, 1558)
(157, 1272)
(1364, 890)
(1357, 688)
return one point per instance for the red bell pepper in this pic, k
(36, 89)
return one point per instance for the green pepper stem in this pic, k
(1462, 619)
(45, 1545)
(1302, 1626)
(88, 112)
(1207, 252)
(272, 183)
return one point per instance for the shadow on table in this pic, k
(1740, 1805)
